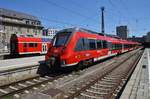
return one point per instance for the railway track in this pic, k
(107, 84)
(25, 85)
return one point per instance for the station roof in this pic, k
(15, 14)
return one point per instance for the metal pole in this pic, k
(102, 20)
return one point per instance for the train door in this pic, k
(44, 48)
(106, 48)
(122, 48)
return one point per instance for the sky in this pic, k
(87, 13)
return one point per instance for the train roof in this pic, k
(108, 37)
(19, 38)
(75, 29)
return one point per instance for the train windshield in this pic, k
(61, 39)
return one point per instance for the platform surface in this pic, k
(20, 62)
(138, 86)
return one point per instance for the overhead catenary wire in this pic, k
(118, 11)
(71, 11)
(81, 6)
(54, 20)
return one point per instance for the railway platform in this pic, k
(13, 70)
(138, 86)
(10, 64)
(2, 55)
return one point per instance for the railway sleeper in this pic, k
(8, 89)
(91, 95)
(22, 85)
(42, 78)
(103, 86)
(36, 80)
(111, 77)
(26, 91)
(35, 88)
(99, 90)
(86, 96)
(16, 86)
(109, 80)
(3, 91)
(107, 83)
(17, 96)
(29, 82)
(12, 87)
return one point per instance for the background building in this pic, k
(137, 39)
(143, 39)
(122, 32)
(50, 32)
(12, 22)
(148, 37)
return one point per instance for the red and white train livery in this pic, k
(21, 44)
(74, 46)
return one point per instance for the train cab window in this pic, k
(92, 44)
(79, 45)
(61, 39)
(99, 44)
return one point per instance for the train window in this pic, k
(92, 44)
(31, 44)
(120, 46)
(86, 44)
(113, 46)
(35, 44)
(116, 46)
(24, 44)
(126, 45)
(79, 45)
(104, 44)
(99, 44)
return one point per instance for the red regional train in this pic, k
(22, 44)
(74, 46)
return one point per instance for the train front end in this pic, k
(57, 52)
